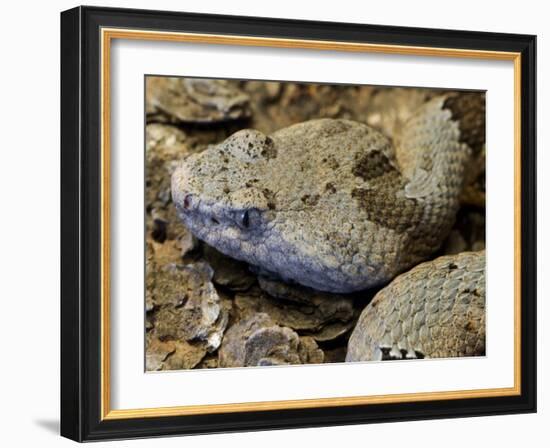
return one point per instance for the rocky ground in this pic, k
(206, 310)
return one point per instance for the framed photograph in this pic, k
(276, 224)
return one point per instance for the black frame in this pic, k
(80, 223)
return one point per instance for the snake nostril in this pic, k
(187, 201)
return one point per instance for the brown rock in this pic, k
(164, 147)
(189, 307)
(172, 355)
(309, 351)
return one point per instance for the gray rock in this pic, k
(194, 100)
(323, 316)
(272, 346)
(258, 341)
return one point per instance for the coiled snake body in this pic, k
(437, 309)
(334, 204)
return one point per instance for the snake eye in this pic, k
(244, 219)
(248, 219)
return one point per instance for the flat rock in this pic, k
(188, 306)
(323, 316)
(258, 341)
(172, 355)
(164, 146)
(194, 100)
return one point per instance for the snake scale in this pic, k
(437, 309)
(337, 206)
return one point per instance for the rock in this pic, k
(468, 233)
(164, 141)
(157, 351)
(172, 355)
(228, 272)
(474, 185)
(187, 355)
(149, 325)
(189, 307)
(303, 318)
(332, 331)
(323, 316)
(173, 250)
(164, 147)
(309, 351)
(233, 351)
(335, 354)
(478, 245)
(263, 92)
(165, 253)
(195, 100)
(187, 243)
(454, 244)
(210, 361)
(272, 346)
(276, 105)
(258, 341)
(390, 108)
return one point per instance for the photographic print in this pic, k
(297, 223)
(249, 201)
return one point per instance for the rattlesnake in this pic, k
(334, 204)
(437, 309)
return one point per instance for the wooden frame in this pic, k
(86, 34)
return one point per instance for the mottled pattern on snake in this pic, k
(333, 204)
(435, 310)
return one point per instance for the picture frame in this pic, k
(87, 35)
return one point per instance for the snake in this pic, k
(435, 310)
(334, 204)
